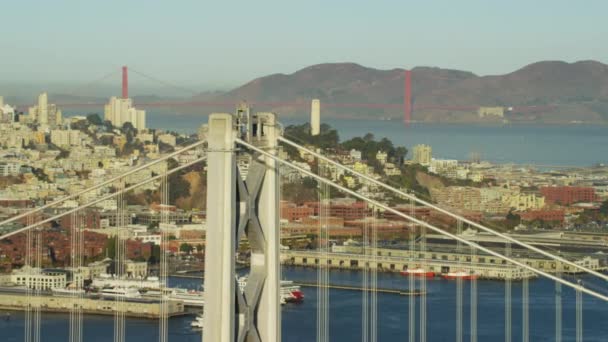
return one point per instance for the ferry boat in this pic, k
(120, 292)
(459, 275)
(418, 272)
(190, 298)
(290, 293)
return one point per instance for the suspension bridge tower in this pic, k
(237, 208)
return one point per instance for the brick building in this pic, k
(566, 195)
(421, 213)
(291, 212)
(556, 215)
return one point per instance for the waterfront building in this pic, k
(134, 269)
(498, 112)
(45, 279)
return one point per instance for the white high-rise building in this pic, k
(7, 113)
(43, 109)
(45, 113)
(315, 117)
(118, 111)
(423, 154)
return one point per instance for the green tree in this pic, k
(186, 248)
(94, 119)
(604, 208)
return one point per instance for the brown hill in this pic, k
(575, 91)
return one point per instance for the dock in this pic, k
(47, 303)
(360, 289)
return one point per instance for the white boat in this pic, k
(190, 298)
(198, 322)
(290, 293)
(120, 292)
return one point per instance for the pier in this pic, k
(48, 303)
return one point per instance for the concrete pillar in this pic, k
(269, 310)
(220, 318)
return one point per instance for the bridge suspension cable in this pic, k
(578, 287)
(102, 184)
(444, 211)
(101, 199)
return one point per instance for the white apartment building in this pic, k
(381, 156)
(118, 111)
(9, 169)
(66, 138)
(422, 155)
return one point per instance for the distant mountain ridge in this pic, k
(575, 91)
(561, 92)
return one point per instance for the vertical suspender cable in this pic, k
(525, 307)
(77, 240)
(423, 284)
(80, 283)
(411, 279)
(508, 332)
(38, 288)
(119, 264)
(28, 283)
(558, 311)
(365, 284)
(73, 299)
(579, 315)
(458, 286)
(164, 219)
(473, 297)
(322, 270)
(374, 279)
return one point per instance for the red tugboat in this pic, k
(459, 275)
(418, 272)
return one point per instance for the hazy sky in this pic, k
(218, 44)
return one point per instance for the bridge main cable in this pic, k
(102, 184)
(444, 211)
(576, 287)
(101, 199)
